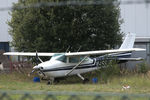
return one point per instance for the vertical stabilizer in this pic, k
(128, 42)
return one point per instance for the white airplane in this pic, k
(76, 63)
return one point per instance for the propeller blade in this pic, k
(31, 72)
(36, 58)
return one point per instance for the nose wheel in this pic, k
(50, 81)
(86, 80)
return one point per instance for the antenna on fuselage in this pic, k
(68, 49)
(79, 49)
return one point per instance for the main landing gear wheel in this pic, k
(86, 80)
(50, 81)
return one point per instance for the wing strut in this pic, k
(76, 66)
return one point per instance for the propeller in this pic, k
(37, 68)
(38, 58)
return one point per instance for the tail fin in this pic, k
(128, 42)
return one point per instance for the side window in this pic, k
(74, 60)
(82, 57)
(77, 59)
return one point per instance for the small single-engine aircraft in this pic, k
(76, 63)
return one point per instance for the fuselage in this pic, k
(59, 65)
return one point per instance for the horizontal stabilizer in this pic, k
(130, 59)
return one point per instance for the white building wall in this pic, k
(4, 17)
(136, 18)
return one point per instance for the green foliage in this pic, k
(110, 70)
(143, 68)
(53, 29)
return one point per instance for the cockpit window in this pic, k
(77, 59)
(62, 58)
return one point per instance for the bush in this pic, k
(108, 71)
(143, 68)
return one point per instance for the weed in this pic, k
(143, 68)
(110, 70)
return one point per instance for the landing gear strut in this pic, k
(85, 80)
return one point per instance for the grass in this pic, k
(137, 83)
(15, 81)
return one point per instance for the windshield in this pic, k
(62, 58)
(56, 56)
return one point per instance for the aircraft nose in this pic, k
(36, 67)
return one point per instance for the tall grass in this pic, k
(109, 80)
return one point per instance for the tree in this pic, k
(55, 28)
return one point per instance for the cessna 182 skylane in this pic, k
(76, 63)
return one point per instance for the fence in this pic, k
(46, 95)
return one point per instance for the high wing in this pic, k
(101, 52)
(28, 54)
